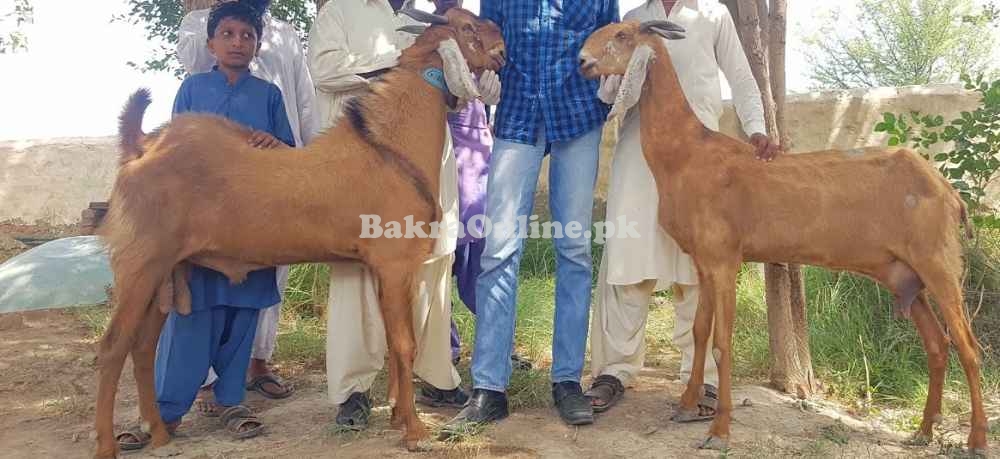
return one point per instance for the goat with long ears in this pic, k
(295, 206)
(885, 214)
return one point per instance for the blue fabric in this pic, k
(542, 84)
(221, 338)
(466, 270)
(256, 104)
(514, 169)
(251, 101)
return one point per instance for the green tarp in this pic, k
(58, 274)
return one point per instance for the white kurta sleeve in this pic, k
(305, 92)
(334, 68)
(192, 43)
(733, 62)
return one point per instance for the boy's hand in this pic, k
(261, 139)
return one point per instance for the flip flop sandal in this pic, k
(606, 389)
(235, 418)
(709, 403)
(139, 439)
(259, 384)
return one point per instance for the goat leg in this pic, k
(945, 286)
(143, 360)
(723, 282)
(936, 344)
(702, 329)
(396, 281)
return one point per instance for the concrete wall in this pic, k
(52, 181)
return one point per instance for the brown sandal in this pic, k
(707, 407)
(236, 418)
(605, 392)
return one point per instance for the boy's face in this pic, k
(234, 44)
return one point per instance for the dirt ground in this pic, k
(48, 385)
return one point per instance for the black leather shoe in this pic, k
(574, 407)
(354, 412)
(485, 406)
(432, 396)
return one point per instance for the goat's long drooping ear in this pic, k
(665, 29)
(424, 16)
(456, 71)
(631, 86)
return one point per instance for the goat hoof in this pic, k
(418, 446)
(168, 450)
(714, 443)
(918, 439)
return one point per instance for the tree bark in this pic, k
(776, 60)
(191, 5)
(748, 28)
(791, 361)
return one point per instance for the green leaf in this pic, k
(893, 141)
(889, 118)
(881, 127)
(941, 157)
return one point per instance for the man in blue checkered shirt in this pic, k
(546, 107)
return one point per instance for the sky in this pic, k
(74, 77)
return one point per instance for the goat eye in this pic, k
(620, 35)
(468, 28)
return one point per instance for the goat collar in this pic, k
(435, 77)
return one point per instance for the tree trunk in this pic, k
(776, 60)
(191, 5)
(791, 361)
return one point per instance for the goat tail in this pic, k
(130, 125)
(963, 215)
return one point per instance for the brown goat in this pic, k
(885, 214)
(194, 191)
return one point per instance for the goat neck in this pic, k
(386, 117)
(669, 126)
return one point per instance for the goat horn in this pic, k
(414, 29)
(423, 16)
(648, 26)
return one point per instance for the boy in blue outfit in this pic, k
(219, 332)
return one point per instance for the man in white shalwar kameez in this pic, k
(633, 268)
(281, 61)
(351, 42)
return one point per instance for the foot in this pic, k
(240, 422)
(434, 397)
(574, 408)
(263, 381)
(354, 412)
(707, 406)
(604, 392)
(205, 404)
(484, 407)
(136, 438)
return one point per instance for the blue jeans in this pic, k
(510, 194)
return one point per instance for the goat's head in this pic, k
(479, 40)
(610, 49)
(462, 43)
